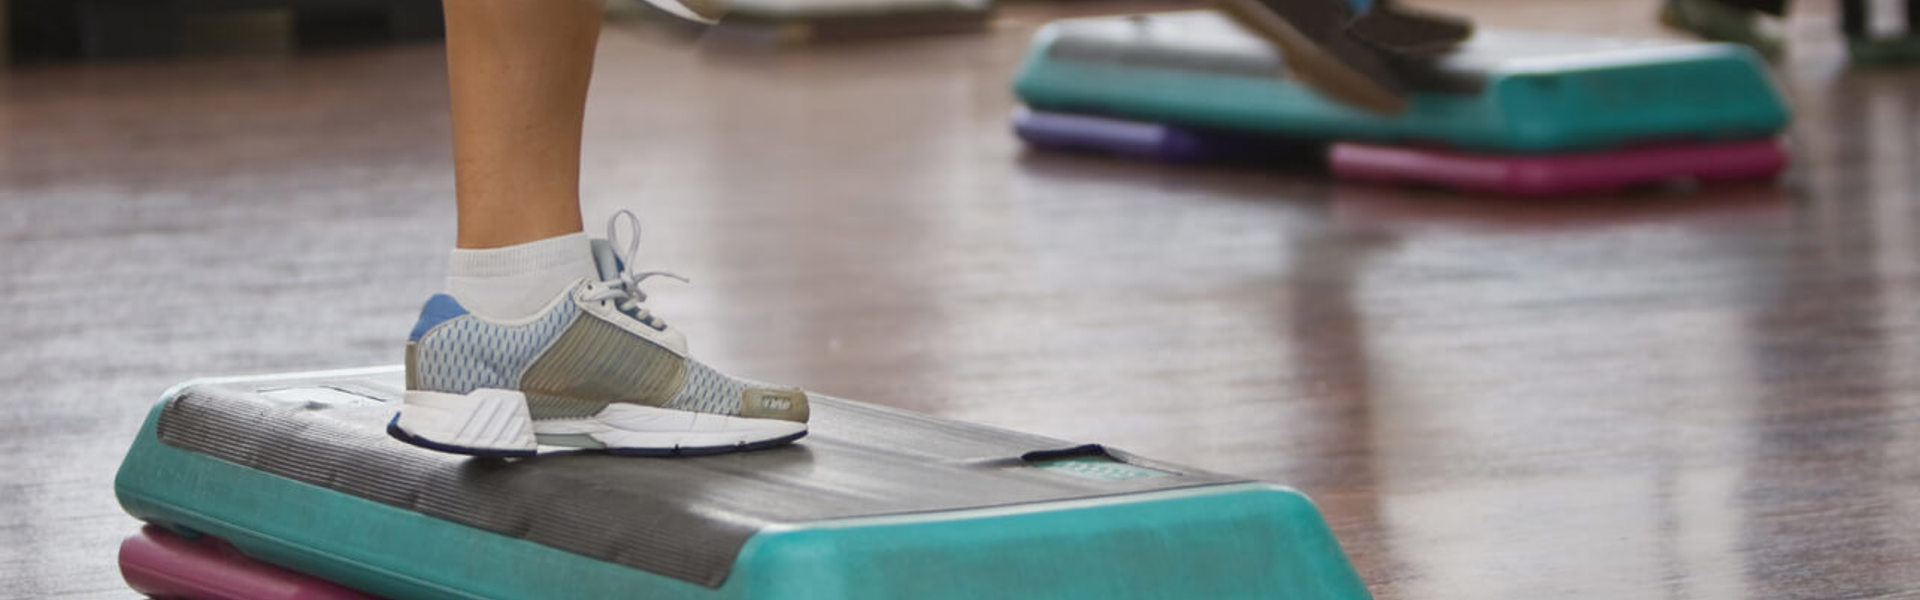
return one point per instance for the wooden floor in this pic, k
(1663, 395)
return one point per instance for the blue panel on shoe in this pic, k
(438, 309)
(876, 503)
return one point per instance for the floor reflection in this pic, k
(1412, 210)
(1829, 346)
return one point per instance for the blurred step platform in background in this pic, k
(67, 29)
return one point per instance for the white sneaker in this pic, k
(594, 369)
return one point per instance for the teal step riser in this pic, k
(1239, 541)
(1727, 98)
(342, 538)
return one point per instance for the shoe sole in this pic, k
(1310, 63)
(496, 423)
(394, 430)
(707, 450)
(487, 422)
(632, 429)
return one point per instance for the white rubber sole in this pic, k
(494, 422)
(486, 422)
(636, 429)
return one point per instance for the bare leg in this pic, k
(518, 73)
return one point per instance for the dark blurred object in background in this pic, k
(65, 29)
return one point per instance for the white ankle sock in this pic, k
(514, 282)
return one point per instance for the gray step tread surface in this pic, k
(685, 518)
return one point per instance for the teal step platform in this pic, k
(1513, 92)
(876, 503)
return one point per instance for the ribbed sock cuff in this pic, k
(518, 259)
(517, 281)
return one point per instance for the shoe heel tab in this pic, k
(438, 309)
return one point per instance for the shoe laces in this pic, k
(624, 290)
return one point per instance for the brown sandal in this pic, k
(1409, 32)
(1313, 40)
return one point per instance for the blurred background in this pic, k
(1672, 391)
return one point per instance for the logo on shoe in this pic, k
(789, 405)
(776, 403)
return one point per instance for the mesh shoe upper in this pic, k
(594, 345)
(572, 362)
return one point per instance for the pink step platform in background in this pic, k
(1544, 175)
(164, 565)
